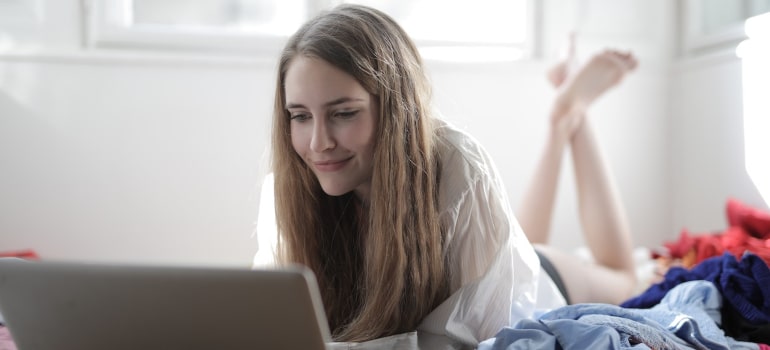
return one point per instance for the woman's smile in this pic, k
(331, 165)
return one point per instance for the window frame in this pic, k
(695, 40)
(106, 29)
(22, 12)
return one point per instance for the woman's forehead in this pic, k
(314, 81)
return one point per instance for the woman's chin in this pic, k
(335, 191)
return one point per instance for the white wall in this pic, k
(123, 156)
(708, 164)
(126, 161)
(126, 155)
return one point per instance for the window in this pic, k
(19, 11)
(711, 24)
(501, 28)
(461, 30)
(22, 25)
(249, 16)
(218, 26)
(755, 53)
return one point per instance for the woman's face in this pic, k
(332, 122)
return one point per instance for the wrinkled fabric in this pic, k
(748, 231)
(633, 327)
(589, 332)
(495, 275)
(755, 221)
(692, 311)
(534, 335)
(685, 319)
(739, 328)
(494, 271)
(745, 285)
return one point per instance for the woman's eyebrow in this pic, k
(327, 104)
(342, 100)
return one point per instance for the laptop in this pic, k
(63, 306)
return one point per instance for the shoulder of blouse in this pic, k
(459, 149)
(469, 182)
(465, 165)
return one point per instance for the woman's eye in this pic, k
(346, 114)
(299, 117)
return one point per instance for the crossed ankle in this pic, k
(567, 107)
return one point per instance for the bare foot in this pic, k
(598, 75)
(559, 72)
(602, 72)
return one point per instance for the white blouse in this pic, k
(495, 277)
(495, 273)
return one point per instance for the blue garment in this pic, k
(692, 312)
(685, 319)
(632, 326)
(585, 326)
(529, 334)
(745, 285)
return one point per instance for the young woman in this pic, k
(403, 218)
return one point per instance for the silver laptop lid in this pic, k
(62, 306)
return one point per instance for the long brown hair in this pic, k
(380, 265)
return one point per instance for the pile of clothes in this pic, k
(748, 230)
(717, 297)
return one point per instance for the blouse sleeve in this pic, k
(493, 267)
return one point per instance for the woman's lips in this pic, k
(331, 165)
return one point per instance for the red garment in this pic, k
(753, 220)
(24, 254)
(749, 230)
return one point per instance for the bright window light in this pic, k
(485, 21)
(250, 16)
(478, 31)
(755, 55)
(462, 31)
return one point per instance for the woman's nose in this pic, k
(322, 138)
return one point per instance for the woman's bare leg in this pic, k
(536, 209)
(611, 277)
